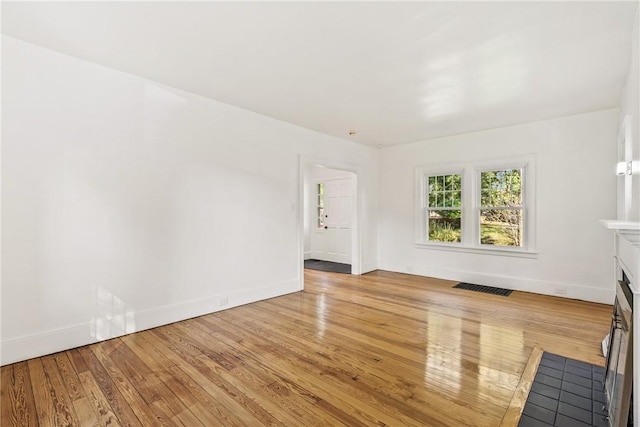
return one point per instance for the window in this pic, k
(480, 206)
(444, 208)
(320, 207)
(501, 208)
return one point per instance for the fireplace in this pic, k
(622, 355)
(618, 380)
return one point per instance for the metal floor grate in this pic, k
(484, 289)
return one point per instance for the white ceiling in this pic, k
(395, 72)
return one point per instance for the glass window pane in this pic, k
(485, 199)
(501, 227)
(485, 180)
(444, 225)
(444, 190)
(320, 205)
(457, 182)
(516, 187)
(457, 198)
(501, 188)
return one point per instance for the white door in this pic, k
(332, 238)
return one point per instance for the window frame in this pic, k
(320, 217)
(470, 209)
(478, 208)
(426, 208)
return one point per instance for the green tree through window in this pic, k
(501, 207)
(444, 208)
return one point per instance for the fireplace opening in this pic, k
(618, 381)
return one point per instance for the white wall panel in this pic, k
(128, 204)
(576, 187)
(630, 106)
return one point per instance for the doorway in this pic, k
(330, 234)
(331, 230)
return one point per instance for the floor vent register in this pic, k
(484, 289)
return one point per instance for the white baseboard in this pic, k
(536, 286)
(368, 268)
(307, 255)
(52, 341)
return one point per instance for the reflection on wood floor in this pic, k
(379, 349)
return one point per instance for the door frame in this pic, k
(304, 163)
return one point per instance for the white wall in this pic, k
(630, 105)
(127, 205)
(321, 173)
(575, 188)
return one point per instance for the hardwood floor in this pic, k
(379, 349)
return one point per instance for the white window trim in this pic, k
(425, 231)
(421, 202)
(470, 175)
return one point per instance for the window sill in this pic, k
(456, 247)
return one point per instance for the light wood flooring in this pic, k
(379, 349)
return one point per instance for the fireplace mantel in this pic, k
(629, 229)
(627, 248)
(621, 225)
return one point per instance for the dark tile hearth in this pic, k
(565, 393)
(334, 267)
